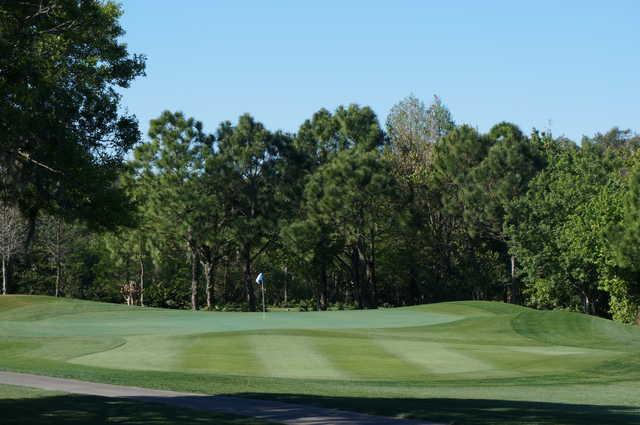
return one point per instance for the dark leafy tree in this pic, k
(351, 201)
(62, 130)
(495, 184)
(170, 168)
(253, 174)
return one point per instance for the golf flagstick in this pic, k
(260, 281)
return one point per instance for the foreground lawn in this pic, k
(29, 406)
(467, 362)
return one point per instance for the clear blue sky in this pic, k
(572, 66)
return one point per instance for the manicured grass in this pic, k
(468, 362)
(21, 406)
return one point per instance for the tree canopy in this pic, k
(63, 133)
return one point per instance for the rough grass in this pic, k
(497, 362)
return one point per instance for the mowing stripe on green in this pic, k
(434, 358)
(292, 357)
(363, 358)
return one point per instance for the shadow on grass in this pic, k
(472, 412)
(89, 410)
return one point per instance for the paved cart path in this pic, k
(273, 411)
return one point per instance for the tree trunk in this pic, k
(323, 289)
(57, 279)
(286, 278)
(371, 272)
(225, 280)
(368, 273)
(514, 282)
(127, 268)
(194, 279)
(4, 276)
(585, 304)
(336, 287)
(356, 278)
(248, 281)
(141, 280)
(365, 275)
(208, 278)
(589, 304)
(371, 283)
(58, 255)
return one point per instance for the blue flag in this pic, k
(260, 279)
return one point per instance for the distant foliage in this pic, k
(343, 215)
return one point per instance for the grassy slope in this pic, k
(435, 361)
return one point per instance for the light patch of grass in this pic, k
(140, 353)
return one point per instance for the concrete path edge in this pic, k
(271, 411)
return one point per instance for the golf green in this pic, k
(458, 350)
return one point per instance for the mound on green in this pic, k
(455, 351)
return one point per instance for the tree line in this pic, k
(344, 213)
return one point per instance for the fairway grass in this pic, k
(497, 362)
